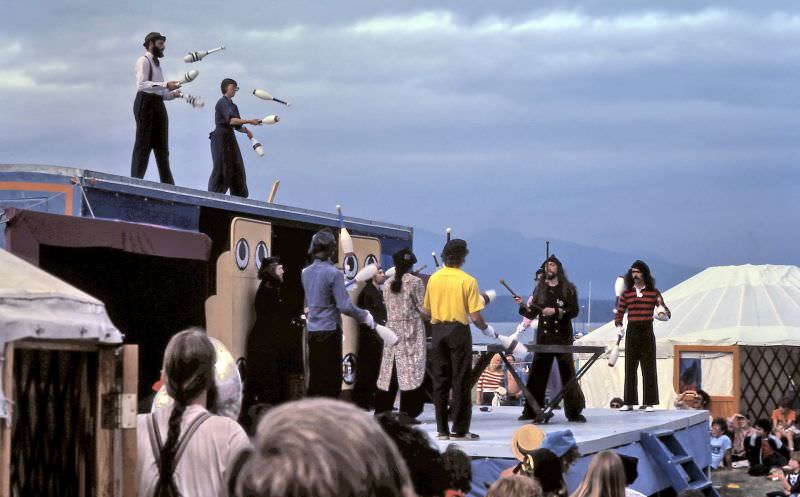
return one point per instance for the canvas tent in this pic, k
(752, 307)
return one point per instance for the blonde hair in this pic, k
(325, 448)
(604, 478)
(515, 486)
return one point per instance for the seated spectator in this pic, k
(791, 478)
(630, 465)
(544, 467)
(605, 477)
(562, 444)
(489, 381)
(515, 486)
(182, 449)
(321, 447)
(720, 445)
(690, 399)
(459, 470)
(424, 462)
(739, 427)
(764, 450)
(784, 419)
(615, 403)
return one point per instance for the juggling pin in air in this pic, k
(435, 259)
(257, 146)
(389, 337)
(195, 102)
(265, 95)
(189, 76)
(270, 119)
(448, 232)
(200, 54)
(489, 296)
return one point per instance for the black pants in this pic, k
(228, 166)
(152, 127)
(574, 401)
(274, 354)
(370, 353)
(640, 348)
(411, 401)
(451, 367)
(325, 363)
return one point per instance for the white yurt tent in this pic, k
(727, 305)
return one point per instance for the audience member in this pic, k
(604, 478)
(182, 449)
(784, 419)
(720, 445)
(739, 427)
(321, 447)
(489, 381)
(459, 470)
(690, 399)
(425, 463)
(615, 403)
(562, 444)
(764, 450)
(630, 465)
(515, 486)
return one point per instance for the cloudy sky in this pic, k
(666, 128)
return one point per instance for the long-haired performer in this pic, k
(640, 299)
(555, 303)
(152, 124)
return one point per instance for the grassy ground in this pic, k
(737, 483)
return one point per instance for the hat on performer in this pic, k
(404, 257)
(155, 35)
(456, 246)
(323, 240)
(526, 439)
(554, 259)
(560, 442)
(641, 266)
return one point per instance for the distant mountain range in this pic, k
(495, 254)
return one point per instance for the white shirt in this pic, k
(151, 82)
(203, 468)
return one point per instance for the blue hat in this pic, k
(559, 442)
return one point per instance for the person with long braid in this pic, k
(403, 364)
(183, 450)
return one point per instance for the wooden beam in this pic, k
(5, 428)
(130, 385)
(104, 438)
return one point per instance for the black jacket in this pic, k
(555, 329)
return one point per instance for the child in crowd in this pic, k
(739, 428)
(791, 479)
(459, 469)
(720, 445)
(784, 419)
(764, 450)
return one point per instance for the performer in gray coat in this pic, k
(403, 364)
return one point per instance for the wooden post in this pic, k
(130, 386)
(273, 191)
(5, 428)
(104, 437)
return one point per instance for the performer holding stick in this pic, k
(555, 303)
(640, 299)
(152, 125)
(452, 298)
(228, 171)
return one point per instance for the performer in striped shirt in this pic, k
(639, 300)
(489, 380)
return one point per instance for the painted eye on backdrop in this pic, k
(371, 259)
(262, 252)
(350, 266)
(242, 254)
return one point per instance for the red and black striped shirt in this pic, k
(639, 308)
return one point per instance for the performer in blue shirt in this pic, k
(326, 300)
(228, 171)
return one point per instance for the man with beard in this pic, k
(149, 111)
(555, 303)
(370, 345)
(327, 300)
(640, 299)
(274, 345)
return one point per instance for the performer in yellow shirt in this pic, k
(452, 298)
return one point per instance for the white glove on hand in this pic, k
(489, 331)
(370, 321)
(620, 332)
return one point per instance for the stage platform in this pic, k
(605, 429)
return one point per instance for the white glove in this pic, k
(489, 331)
(370, 321)
(620, 332)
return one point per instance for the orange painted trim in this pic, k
(67, 190)
(731, 400)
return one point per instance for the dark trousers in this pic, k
(411, 401)
(451, 367)
(325, 363)
(152, 127)
(574, 401)
(228, 166)
(274, 358)
(640, 348)
(370, 353)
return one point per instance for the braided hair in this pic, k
(188, 371)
